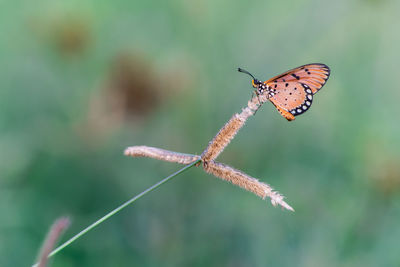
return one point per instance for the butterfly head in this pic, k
(260, 86)
(256, 83)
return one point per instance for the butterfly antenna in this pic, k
(245, 71)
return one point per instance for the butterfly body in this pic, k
(292, 92)
(262, 88)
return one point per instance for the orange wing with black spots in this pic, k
(292, 92)
(314, 75)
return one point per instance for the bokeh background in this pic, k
(82, 80)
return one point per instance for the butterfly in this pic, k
(292, 92)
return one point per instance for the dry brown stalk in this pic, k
(220, 170)
(230, 129)
(55, 232)
(214, 148)
(160, 154)
(246, 182)
(223, 138)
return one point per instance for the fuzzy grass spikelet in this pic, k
(160, 154)
(246, 182)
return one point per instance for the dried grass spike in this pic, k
(160, 154)
(230, 129)
(223, 138)
(246, 182)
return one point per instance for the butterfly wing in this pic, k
(294, 90)
(314, 75)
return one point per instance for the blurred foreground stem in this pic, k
(121, 207)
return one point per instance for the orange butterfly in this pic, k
(292, 92)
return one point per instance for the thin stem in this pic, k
(124, 205)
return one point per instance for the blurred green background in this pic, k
(82, 80)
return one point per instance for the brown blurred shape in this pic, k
(387, 177)
(68, 34)
(383, 167)
(133, 82)
(71, 35)
(132, 90)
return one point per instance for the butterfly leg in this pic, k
(258, 98)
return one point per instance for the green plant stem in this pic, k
(121, 207)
